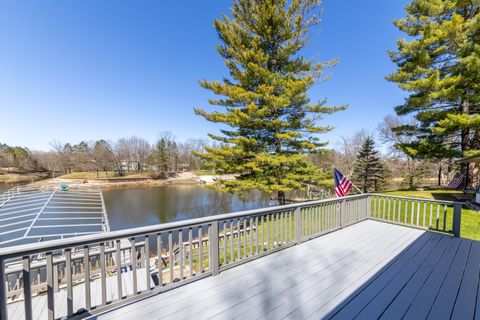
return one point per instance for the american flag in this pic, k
(342, 184)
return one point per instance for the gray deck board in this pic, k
(369, 270)
(283, 287)
(225, 284)
(371, 287)
(351, 306)
(465, 305)
(408, 293)
(423, 302)
(361, 270)
(443, 306)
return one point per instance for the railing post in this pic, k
(214, 248)
(457, 217)
(368, 207)
(297, 225)
(3, 292)
(27, 289)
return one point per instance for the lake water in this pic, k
(136, 207)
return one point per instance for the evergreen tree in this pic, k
(440, 67)
(368, 170)
(161, 156)
(271, 126)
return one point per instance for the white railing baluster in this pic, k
(133, 260)
(170, 257)
(190, 252)
(147, 262)
(200, 249)
(424, 213)
(86, 267)
(103, 273)
(418, 213)
(232, 253)
(257, 228)
(444, 217)
(69, 280)
(250, 233)
(180, 253)
(244, 222)
(438, 216)
(118, 257)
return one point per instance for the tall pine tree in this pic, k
(271, 126)
(440, 68)
(368, 170)
(161, 156)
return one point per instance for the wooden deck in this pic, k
(369, 270)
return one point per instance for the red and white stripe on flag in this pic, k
(342, 184)
(343, 188)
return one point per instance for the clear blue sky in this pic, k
(87, 69)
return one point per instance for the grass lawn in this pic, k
(470, 227)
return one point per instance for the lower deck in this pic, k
(368, 270)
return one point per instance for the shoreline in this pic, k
(184, 178)
(146, 183)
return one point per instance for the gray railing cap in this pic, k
(416, 199)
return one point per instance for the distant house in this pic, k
(132, 165)
(182, 167)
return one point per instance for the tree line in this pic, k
(124, 155)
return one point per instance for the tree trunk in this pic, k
(439, 175)
(464, 143)
(281, 197)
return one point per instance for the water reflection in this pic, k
(130, 208)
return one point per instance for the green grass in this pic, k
(470, 226)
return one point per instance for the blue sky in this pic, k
(84, 70)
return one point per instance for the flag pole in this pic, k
(351, 183)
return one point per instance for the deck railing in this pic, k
(435, 215)
(89, 274)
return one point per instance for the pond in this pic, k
(136, 207)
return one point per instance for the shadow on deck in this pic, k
(369, 270)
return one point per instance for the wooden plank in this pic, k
(405, 298)
(465, 304)
(363, 267)
(376, 306)
(244, 274)
(351, 302)
(421, 306)
(443, 306)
